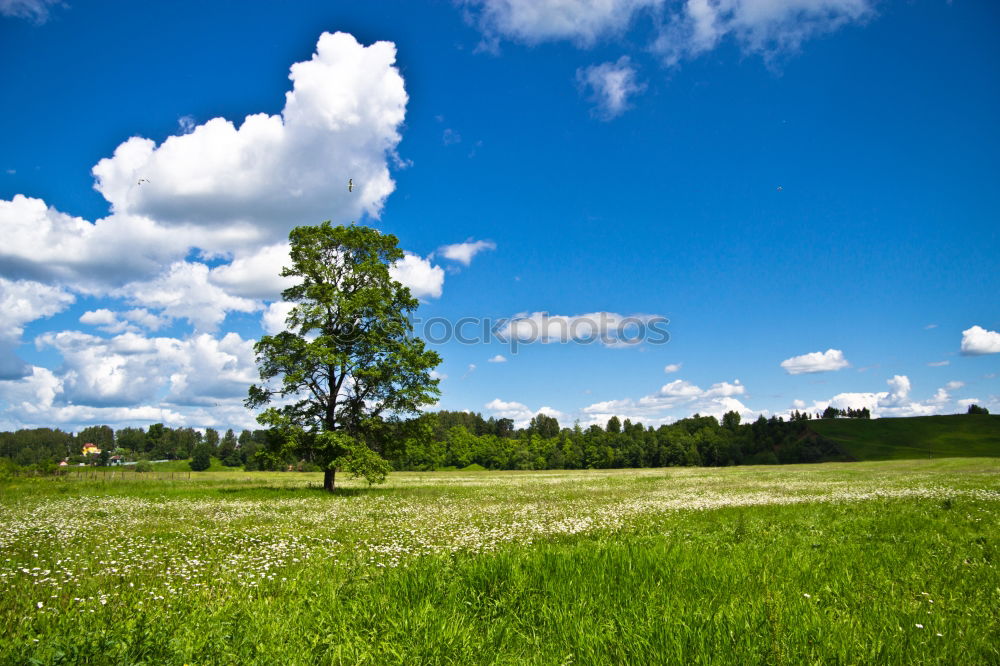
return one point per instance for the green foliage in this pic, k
(832, 412)
(357, 459)
(347, 360)
(544, 426)
(102, 436)
(7, 469)
(614, 425)
(227, 448)
(202, 458)
(131, 439)
(976, 409)
(143, 466)
(31, 446)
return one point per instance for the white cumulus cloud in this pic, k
(255, 273)
(830, 360)
(894, 403)
(185, 292)
(521, 414)
(977, 341)
(424, 279)
(676, 399)
(197, 229)
(340, 121)
(23, 301)
(131, 370)
(273, 319)
(464, 252)
(229, 189)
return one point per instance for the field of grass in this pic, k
(957, 435)
(891, 562)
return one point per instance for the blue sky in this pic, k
(807, 190)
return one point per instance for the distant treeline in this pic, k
(43, 448)
(459, 439)
(445, 439)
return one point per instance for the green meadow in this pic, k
(942, 436)
(873, 562)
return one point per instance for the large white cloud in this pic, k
(185, 292)
(32, 402)
(23, 301)
(127, 378)
(828, 361)
(341, 121)
(230, 191)
(40, 243)
(255, 273)
(977, 341)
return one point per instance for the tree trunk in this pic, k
(328, 480)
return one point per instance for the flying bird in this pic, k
(142, 180)
(350, 184)
(780, 188)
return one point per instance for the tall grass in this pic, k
(892, 563)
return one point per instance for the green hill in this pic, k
(957, 435)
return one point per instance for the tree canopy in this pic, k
(347, 361)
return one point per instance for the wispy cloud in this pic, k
(609, 86)
(32, 10)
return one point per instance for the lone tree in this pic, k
(347, 361)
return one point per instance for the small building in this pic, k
(91, 450)
(116, 460)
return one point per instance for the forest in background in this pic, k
(446, 439)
